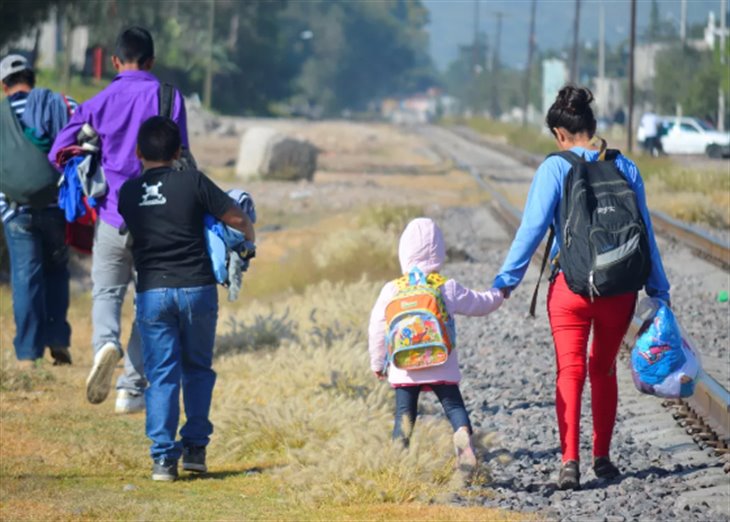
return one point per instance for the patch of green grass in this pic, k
(80, 88)
(388, 218)
(12, 379)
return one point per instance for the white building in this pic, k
(51, 43)
(554, 77)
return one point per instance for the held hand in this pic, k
(379, 375)
(506, 291)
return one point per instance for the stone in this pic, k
(265, 153)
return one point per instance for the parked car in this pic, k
(687, 135)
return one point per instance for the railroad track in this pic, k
(706, 415)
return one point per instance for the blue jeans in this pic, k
(177, 327)
(406, 404)
(39, 278)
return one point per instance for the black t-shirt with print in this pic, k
(163, 210)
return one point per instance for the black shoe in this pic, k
(193, 459)
(60, 355)
(569, 477)
(604, 469)
(164, 470)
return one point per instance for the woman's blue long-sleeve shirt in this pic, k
(541, 210)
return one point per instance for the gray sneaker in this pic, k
(99, 381)
(164, 470)
(194, 459)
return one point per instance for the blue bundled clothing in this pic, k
(541, 210)
(46, 112)
(70, 193)
(221, 240)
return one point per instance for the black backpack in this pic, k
(605, 248)
(166, 96)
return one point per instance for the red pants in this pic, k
(571, 317)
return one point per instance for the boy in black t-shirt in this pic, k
(177, 301)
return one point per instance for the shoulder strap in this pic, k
(435, 280)
(7, 113)
(569, 156)
(533, 303)
(166, 95)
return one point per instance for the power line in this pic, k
(632, 45)
(530, 54)
(495, 65)
(574, 53)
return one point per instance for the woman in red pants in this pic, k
(571, 314)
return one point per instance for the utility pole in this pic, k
(495, 66)
(475, 45)
(528, 71)
(602, 41)
(683, 23)
(476, 62)
(723, 61)
(632, 45)
(574, 54)
(208, 85)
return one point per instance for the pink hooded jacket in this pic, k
(422, 245)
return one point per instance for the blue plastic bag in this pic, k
(662, 362)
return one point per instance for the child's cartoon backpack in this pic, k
(662, 362)
(420, 330)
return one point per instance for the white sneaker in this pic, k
(466, 460)
(99, 381)
(129, 402)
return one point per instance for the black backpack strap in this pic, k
(569, 156)
(166, 95)
(612, 154)
(533, 303)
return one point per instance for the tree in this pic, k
(690, 78)
(659, 30)
(359, 51)
(18, 17)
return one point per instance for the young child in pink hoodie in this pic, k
(422, 246)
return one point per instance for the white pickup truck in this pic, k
(693, 136)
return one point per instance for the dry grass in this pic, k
(302, 433)
(313, 411)
(343, 247)
(302, 427)
(691, 195)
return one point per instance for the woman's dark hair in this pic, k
(135, 45)
(24, 77)
(572, 111)
(158, 139)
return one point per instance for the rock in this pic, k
(129, 487)
(267, 154)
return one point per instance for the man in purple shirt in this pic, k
(116, 114)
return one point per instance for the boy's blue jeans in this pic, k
(39, 278)
(177, 327)
(406, 405)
